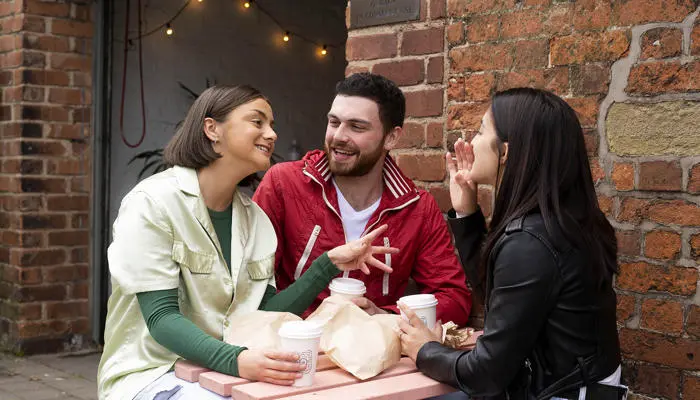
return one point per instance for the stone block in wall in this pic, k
(667, 128)
(664, 77)
(661, 43)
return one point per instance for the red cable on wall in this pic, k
(126, 54)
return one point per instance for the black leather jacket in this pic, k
(543, 314)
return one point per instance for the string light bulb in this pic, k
(246, 4)
(168, 30)
(200, 0)
(286, 37)
(324, 51)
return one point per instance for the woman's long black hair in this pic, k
(547, 171)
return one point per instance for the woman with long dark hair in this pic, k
(191, 253)
(547, 262)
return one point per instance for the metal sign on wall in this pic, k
(380, 12)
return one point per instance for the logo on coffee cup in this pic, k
(306, 359)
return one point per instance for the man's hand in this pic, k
(367, 305)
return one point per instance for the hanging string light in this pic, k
(324, 50)
(286, 37)
(247, 4)
(168, 30)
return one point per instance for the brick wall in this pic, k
(631, 70)
(45, 73)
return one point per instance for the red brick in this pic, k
(403, 73)
(657, 381)
(66, 167)
(11, 60)
(70, 62)
(29, 276)
(80, 221)
(82, 79)
(479, 87)
(425, 41)
(48, 43)
(41, 293)
(424, 103)
(43, 8)
(623, 176)
(455, 89)
(531, 54)
(460, 8)
(7, 43)
(442, 196)
(66, 273)
(589, 47)
(79, 255)
(657, 348)
(412, 136)
(455, 33)
(522, 78)
(36, 258)
(592, 14)
(481, 57)
(586, 109)
(664, 77)
(68, 203)
(695, 40)
(642, 277)
(691, 387)
(675, 212)
(522, 23)
(435, 70)
(63, 27)
(662, 244)
(694, 180)
(634, 12)
(661, 43)
(465, 116)
(30, 184)
(32, 329)
(633, 210)
(590, 79)
(660, 176)
(438, 9)
(371, 47)
(80, 290)
(695, 246)
(66, 96)
(353, 69)
(66, 131)
(434, 134)
(559, 19)
(69, 238)
(692, 326)
(80, 184)
(423, 167)
(67, 310)
(661, 315)
(597, 172)
(483, 28)
(29, 312)
(44, 77)
(81, 326)
(625, 307)
(605, 203)
(628, 242)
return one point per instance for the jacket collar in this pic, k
(189, 183)
(398, 186)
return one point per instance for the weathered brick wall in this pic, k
(631, 69)
(45, 72)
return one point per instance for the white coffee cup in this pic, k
(423, 305)
(347, 287)
(302, 338)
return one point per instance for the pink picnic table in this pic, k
(402, 381)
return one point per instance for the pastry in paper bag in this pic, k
(361, 344)
(257, 330)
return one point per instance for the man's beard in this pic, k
(362, 165)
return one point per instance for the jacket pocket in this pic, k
(262, 268)
(196, 262)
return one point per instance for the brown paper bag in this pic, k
(257, 330)
(361, 344)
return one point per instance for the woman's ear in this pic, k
(210, 129)
(504, 154)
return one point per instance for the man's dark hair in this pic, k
(388, 96)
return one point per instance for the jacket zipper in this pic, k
(387, 261)
(307, 251)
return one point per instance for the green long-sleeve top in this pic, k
(178, 334)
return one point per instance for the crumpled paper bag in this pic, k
(458, 338)
(258, 330)
(361, 344)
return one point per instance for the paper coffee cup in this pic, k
(347, 287)
(423, 305)
(302, 338)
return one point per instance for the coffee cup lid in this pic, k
(419, 300)
(300, 330)
(348, 285)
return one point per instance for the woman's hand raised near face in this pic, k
(463, 191)
(359, 254)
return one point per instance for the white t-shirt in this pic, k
(354, 222)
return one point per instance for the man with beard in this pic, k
(334, 196)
